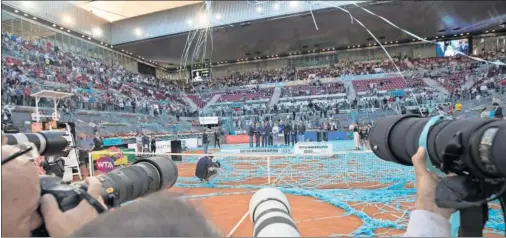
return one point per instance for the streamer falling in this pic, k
(199, 42)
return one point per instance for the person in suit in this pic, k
(265, 134)
(217, 137)
(294, 134)
(251, 133)
(301, 130)
(205, 141)
(287, 133)
(258, 129)
(97, 141)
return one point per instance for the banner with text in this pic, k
(312, 148)
(208, 120)
(106, 160)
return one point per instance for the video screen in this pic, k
(451, 47)
(199, 75)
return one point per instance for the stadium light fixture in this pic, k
(437, 37)
(486, 31)
(455, 35)
(442, 36)
(16, 11)
(89, 38)
(276, 6)
(67, 19)
(68, 31)
(54, 25)
(348, 47)
(138, 31)
(189, 22)
(276, 55)
(82, 36)
(26, 15)
(461, 34)
(34, 18)
(97, 32)
(112, 46)
(386, 42)
(259, 9)
(391, 42)
(493, 30)
(101, 43)
(396, 41)
(122, 50)
(218, 16)
(467, 33)
(61, 28)
(353, 47)
(369, 44)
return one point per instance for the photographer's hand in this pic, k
(63, 224)
(426, 187)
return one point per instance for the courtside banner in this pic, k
(208, 120)
(260, 151)
(163, 146)
(313, 148)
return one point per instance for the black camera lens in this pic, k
(48, 143)
(145, 176)
(474, 143)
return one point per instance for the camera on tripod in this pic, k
(473, 149)
(144, 176)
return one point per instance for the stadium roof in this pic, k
(118, 10)
(270, 37)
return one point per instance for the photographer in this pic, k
(21, 198)
(427, 219)
(206, 168)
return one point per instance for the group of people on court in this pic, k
(265, 134)
(360, 135)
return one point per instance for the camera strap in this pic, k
(91, 200)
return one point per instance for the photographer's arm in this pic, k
(427, 220)
(62, 224)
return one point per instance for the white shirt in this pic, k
(427, 224)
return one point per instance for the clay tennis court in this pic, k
(350, 193)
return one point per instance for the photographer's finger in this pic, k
(94, 187)
(418, 160)
(50, 210)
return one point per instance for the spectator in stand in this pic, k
(497, 111)
(458, 107)
(484, 113)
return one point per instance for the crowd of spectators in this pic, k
(31, 66)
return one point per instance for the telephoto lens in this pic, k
(48, 143)
(469, 146)
(145, 176)
(270, 213)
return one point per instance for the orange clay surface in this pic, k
(313, 217)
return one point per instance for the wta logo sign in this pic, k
(105, 164)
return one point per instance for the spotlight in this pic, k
(189, 22)
(414, 39)
(138, 32)
(493, 30)
(82, 36)
(348, 47)
(68, 31)
(26, 15)
(61, 28)
(54, 25)
(386, 42)
(16, 11)
(486, 31)
(391, 42)
(259, 9)
(101, 43)
(276, 6)
(437, 37)
(34, 18)
(89, 38)
(218, 16)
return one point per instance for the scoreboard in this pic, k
(199, 75)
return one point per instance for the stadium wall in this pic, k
(250, 67)
(57, 12)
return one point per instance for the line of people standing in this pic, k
(293, 133)
(264, 134)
